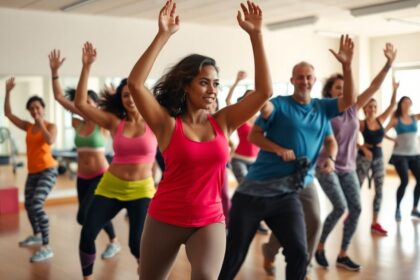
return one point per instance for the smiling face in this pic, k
(36, 109)
(127, 100)
(337, 88)
(201, 93)
(371, 108)
(303, 80)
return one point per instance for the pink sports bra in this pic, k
(127, 150)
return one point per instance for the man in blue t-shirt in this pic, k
(289, 128)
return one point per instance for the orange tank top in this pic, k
(38, 152)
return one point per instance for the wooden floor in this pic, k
(396, 256)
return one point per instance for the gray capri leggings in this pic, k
(343, 191)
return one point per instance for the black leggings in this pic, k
(85, 194)
(102, 210)
(402, 165)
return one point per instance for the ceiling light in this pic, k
(76, 5)
(292, 23)
(404, 21)
(384, 7)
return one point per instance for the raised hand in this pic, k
(390, 52)
(89, 54)
(241, 75)
(10, 84)
(55, 60)
(395, 84)
(251, 22)
(345, 52)
(168, 20)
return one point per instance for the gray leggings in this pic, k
(378, 175)
(38, 186)
(343, 190)
(160, 243)
(310, 203)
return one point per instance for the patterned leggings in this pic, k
(343, 190)
(378, 175)
(37, 187)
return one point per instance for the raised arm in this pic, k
(345, 57)
(102, 118)
(239, 77)
(390, 54)
(22, 124)
(154, 114)
(388, 111)
(233, 116)
(55, 63)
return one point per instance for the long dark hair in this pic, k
(326, 90)
(398, 112)
(111, 102)
(33, 99)
(71, 94)
(169, 89)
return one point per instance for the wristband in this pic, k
(55, 77)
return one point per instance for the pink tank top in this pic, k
(190, 193)
(127, 150)
(246, 148)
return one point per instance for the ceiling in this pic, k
(333, 15)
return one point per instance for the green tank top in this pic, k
(93, 141)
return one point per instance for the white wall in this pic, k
(28, 37)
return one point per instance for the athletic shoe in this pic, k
(30, 240)
(268, 265)
(42, 254)
(398, 215)
(321, 259)
(111, 250)
(378, 229)
(415, 214)
(347, 263)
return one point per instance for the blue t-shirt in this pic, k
(299, 127)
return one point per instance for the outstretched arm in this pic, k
(393, 102)
(233, 116)
(240, 76)
(22, 124)
(55, 63)
(154, 114)
(390, 54)
(102, 118)
(345, 57)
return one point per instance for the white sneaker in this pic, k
(111, 250)
(42, 254)
(30, 240)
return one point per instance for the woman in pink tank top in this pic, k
(186, 208)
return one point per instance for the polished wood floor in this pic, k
(396, 256)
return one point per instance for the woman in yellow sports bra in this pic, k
(90, 144)
(42, 169)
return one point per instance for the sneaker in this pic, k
(30, 240)
(111, 250)
(321, 259)
(347, 263)
(42, 254)
(415, 214)
(378, 229)
(268, 265)
(398, 215)
(262, 229)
